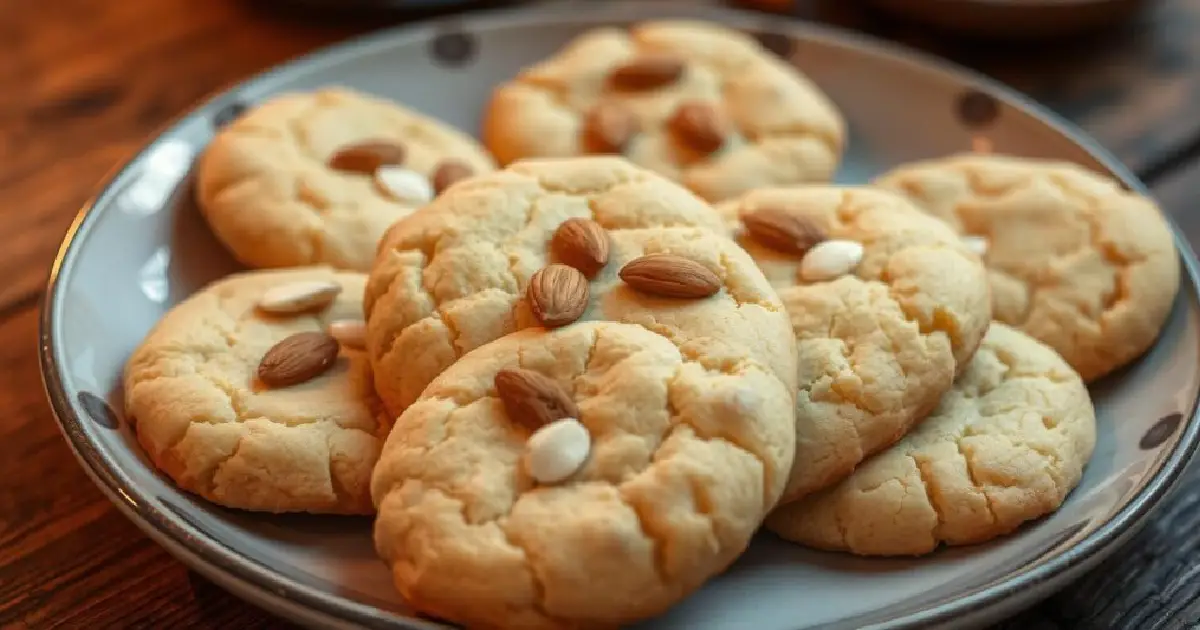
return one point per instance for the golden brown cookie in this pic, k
(887, 305)
(659, 485)
(316, 177)
(697, 102)
(1005, 446)
(1074, 259)
(238, 396)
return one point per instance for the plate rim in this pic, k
(193, 546)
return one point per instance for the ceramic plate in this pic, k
(140, 247)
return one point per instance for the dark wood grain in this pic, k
(84, 83)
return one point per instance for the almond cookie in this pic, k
(496, 519)
(1005, 446)
(240, 396)
(510, 250)
(1074, 259)
(702, 104)
(316, 178)
(887, 305)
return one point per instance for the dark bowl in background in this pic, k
(1013, 18)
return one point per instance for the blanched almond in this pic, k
(299, 296)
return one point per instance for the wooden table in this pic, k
(84, 83)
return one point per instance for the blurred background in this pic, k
(84, 83)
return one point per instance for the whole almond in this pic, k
(558, 295)
(298, 358)
(365, 157)
(449, 172)
(582, 244)
(608, 128)
(533, 399)
(782, 231)
(668, 275)
(699, 126)
(647, 72)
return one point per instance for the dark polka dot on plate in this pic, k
(98, 410)
(1163, 429)
(976, 109)
(778, 43)
(453, 47)
(228, 114)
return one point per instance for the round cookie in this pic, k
(279, 187)
(702, 104)
(1074, 260)
(207, 422)
(1005, 446)
(676, 483)
(878, 345)
(455, 275)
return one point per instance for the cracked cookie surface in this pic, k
(201, 417)
(1005, 446)
(453, 276)
(783, 130)
(678, 480)
(1074, 260)
(265, 188)
(877, 347)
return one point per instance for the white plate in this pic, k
(141, 246)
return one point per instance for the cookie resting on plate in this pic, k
(650, 476)
(239, 396)
(316, 177)
(1005, 446)
(1074, 259)
(887, 305)
(488, 257)
(700, 103)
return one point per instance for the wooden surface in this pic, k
(84, 83)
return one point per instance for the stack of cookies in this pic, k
(573, 373)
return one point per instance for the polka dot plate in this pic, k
(140, 247)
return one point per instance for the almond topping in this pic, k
(298, 358)
(782, 231)
(404, 185)
(533, 399)
(557, 451)
(298, 297)
(582, 244)
(350, 333)
(668, 275)
(558, 295)
(647, 72)
(449, 172)
(699, 126)
(365, 157)
(608, 128)
(830, 259)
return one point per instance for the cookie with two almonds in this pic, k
(588, 476)
(255, 393)
(700, 103)
(309, 178)
(887, 306)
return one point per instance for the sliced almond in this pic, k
(298, 297)
(298, 358)
(668, 275)
(782, 231)
(608, 128)
(404, 185)
(350, 333)
(699, 126)
(558, 295)
(365, 157)
(647, 72)
(582, 244)
(449, 172)
(532, 398)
